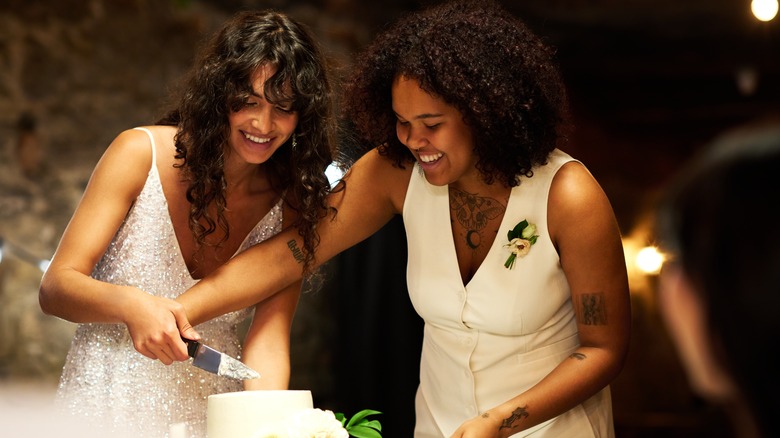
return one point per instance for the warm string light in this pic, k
(649, 260)
(764, 10)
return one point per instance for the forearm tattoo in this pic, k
(296, 252)
(511, 421)
(473, 213)
(592, 309)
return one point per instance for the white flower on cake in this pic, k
(309, 423)
(316, 423)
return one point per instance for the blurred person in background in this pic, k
(719, 290)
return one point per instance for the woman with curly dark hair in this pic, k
(515, 258)
(240, 158)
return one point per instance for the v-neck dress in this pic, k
(490, 340)
(105, 382)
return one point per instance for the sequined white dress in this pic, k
(105, 381)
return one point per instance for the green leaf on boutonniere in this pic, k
(517, 231)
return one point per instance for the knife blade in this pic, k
(213, 361)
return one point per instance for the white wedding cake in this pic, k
(245, 414)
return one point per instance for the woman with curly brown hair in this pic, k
(515, 259)
(241, 157)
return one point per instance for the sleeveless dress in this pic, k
(105, 382)
(492, 339)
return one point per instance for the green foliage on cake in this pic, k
(361, 427)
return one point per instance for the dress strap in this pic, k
(154, 146)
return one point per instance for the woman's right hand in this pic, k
(153, 323)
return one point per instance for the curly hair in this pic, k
(478, 58)
(220, 84)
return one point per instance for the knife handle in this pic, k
(192, 346)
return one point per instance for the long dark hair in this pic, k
(220, 83)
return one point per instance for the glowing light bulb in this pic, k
(649, 260)
(764, 10)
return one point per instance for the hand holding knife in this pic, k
(221, 364)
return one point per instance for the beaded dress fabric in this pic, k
(105, 382)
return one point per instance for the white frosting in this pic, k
(242, 414)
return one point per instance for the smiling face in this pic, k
(434, 132)
(260, 127)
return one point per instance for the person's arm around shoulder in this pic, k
(373, 194)
(585, 232)
(68, 291)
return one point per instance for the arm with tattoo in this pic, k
(592, 309)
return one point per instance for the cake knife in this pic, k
(221, 364)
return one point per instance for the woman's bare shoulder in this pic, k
(382, 175)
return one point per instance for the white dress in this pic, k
(488, 341)
(105, 382)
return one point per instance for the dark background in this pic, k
(651, 82)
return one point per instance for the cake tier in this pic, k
(242, 414)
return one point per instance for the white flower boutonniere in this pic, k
(521, 237)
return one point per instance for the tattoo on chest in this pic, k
(592, 309)
(517, 415)
(473, 213)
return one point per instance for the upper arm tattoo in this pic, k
(592, 310)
